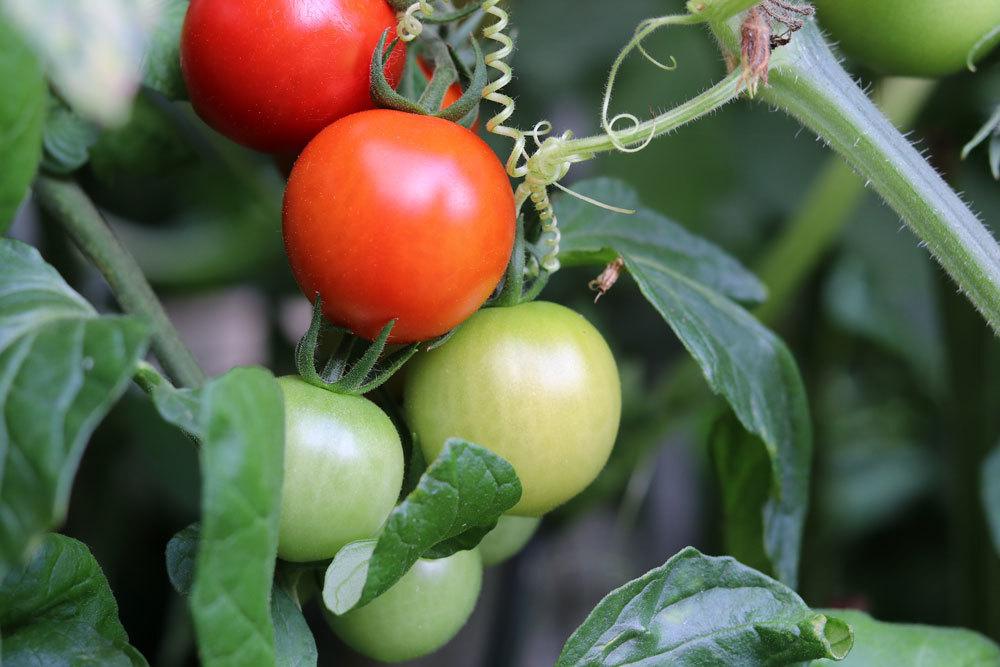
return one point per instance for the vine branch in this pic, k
(73, 210)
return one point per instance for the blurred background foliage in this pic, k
(903, 376)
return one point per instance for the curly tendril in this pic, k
(538, 174)
(410, 27)
(646, 28)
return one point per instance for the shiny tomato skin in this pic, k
(420, 613)
(928, 38)
(270, 74)
(343, 471)
(390, 215)
(534, 383)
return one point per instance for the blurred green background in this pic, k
(903, 376)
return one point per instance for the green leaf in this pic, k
(700, 610)
(458, 500)
(741, 359)
(878, 644)
(22, 116)
(66, 140)
(595, 235)
(59, 610)
(239, 420)
(62, 367)
(744, 472)
(91, 50)
(162, 61)
(182, 549)
(294, 645)
(990, 491)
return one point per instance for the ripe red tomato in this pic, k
(270, 74)
(390, 215)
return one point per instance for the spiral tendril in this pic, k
(618, 136)
(537, 172)
(410, 27)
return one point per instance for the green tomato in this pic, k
(912, 37)
(509, 537)
(536, 384)
(343, 471)
(419, 614)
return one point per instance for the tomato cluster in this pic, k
(396, 217)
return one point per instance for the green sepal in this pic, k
(340, 374)
(382, 91)
(447, 70)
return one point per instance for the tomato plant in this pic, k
(535, 383)
(271, 75)
(419, 614)
(913, 38)
(524, 312)
(415, 219)
(343, 471)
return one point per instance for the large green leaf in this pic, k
(92, 50)
(61, 368)
(294, 645)
(591, 233)
(239, 420)
(687, 281)
(458, 500)
(698, 610)
(990, 492)
(59, 610)
(878, 644)
(22, 116)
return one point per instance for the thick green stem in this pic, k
(827, 208)
(807, 81)
(72, 209)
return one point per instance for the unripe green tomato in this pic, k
(343, 471)
(508, 538)
(911, 37)
(419, 614)
(536, 384)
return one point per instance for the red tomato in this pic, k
(390, 215)
(270, 74)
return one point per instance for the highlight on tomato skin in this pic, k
(343, 469)
(271, 74)
(396, 216)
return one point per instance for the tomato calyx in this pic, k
(345, 371)
(525, 278)
(448, 69)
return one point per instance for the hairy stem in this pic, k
(725, 91)
(70, 206)
(807, 81)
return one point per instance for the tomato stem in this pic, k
(73, 210)
(809, 83)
